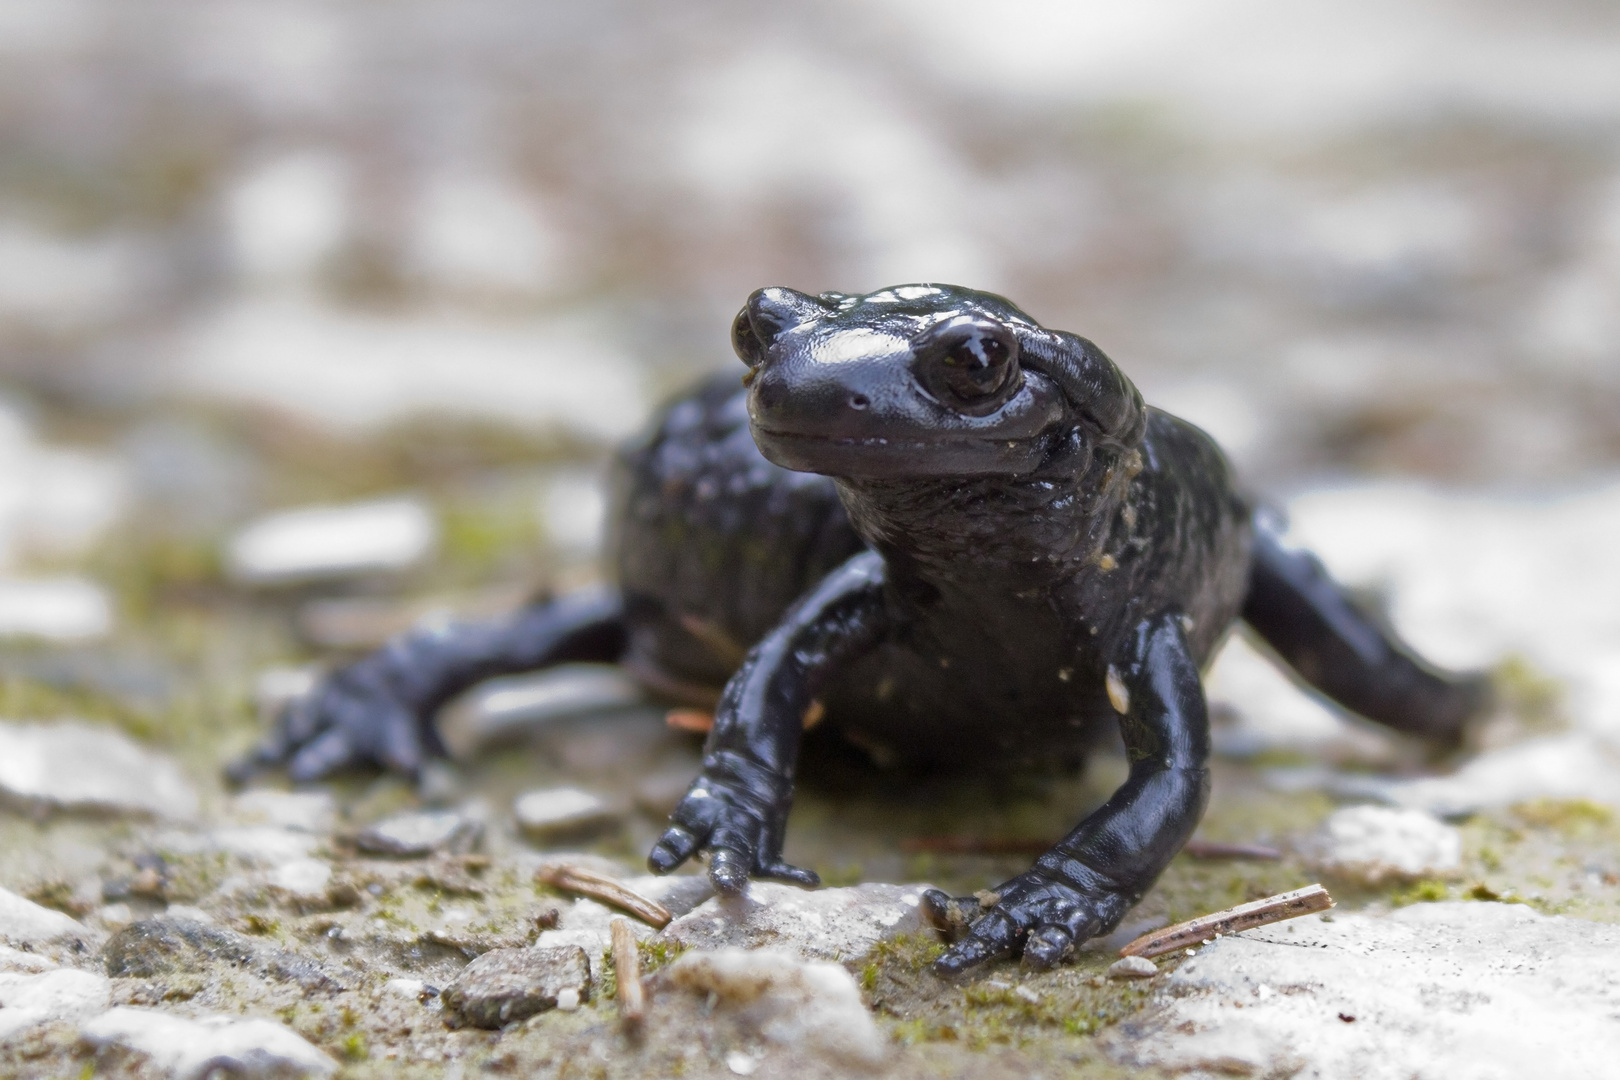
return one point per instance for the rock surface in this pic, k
(1375, 844)
(318, 542)
(812, 1006)
(418, 833)
(25, 923)
(79, 767)
(827, 924)
(559, 812)
(192, 1049)
(303, 811)
(505, 986)
(1431, 991)
(151, 948)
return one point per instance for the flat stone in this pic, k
(508, 710)
(1132, 967)
(72, 766)
(60, 609)
(1375, 844)
(825, 924)
(559, 812)
(504, 986)
(23, 922)
(811, 1006)
(63, 994)
(321, 542)
(301, 811)
(193, 1048)
(1429, 991)
(418, 833)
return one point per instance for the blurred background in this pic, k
(422, 263)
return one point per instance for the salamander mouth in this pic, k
(887, 455)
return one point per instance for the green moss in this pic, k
(1564, 815)
(1426, 891)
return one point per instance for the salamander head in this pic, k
(919, 381)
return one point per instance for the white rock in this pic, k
(506, 710)
(190, 1049)
(1374, 844)
(406, 988)
(23, 922)
(1431, 991)
(79, 767)
(825, 924)
(814, 1006)
(60, 609)
(418, 833)
(303, 811)
(302, 877)
(561, 811)
(63, 994)
(319, 542)
(1132, 967)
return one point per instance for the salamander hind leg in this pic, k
(378, 711)
(1305, 616)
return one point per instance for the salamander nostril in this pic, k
(858, 401)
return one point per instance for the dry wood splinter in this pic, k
(627, 969)
(576, 879)
(1288, 905)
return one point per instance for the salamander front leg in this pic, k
(738, 806)
(1083, 886)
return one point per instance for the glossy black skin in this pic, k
(1015, 553)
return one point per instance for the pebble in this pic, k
(323, 542)
(1431, 990)
(421, 832)
(812, 1006)
(25, 923)
(61, 609)
(73, 766)
(827, 924)
(504, 711)
(504, 986)
(63, 994)
(186, 1048)
(553, 813)
(15, 960)
(1375, 844)
(301, 877)
(1132, 967)
(301, 811)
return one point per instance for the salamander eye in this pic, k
(968, 364)
(977, 366)
(745, 341)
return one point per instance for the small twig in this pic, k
(1215, 849)
(627, 969)
(1288, 905)
(575, 879)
